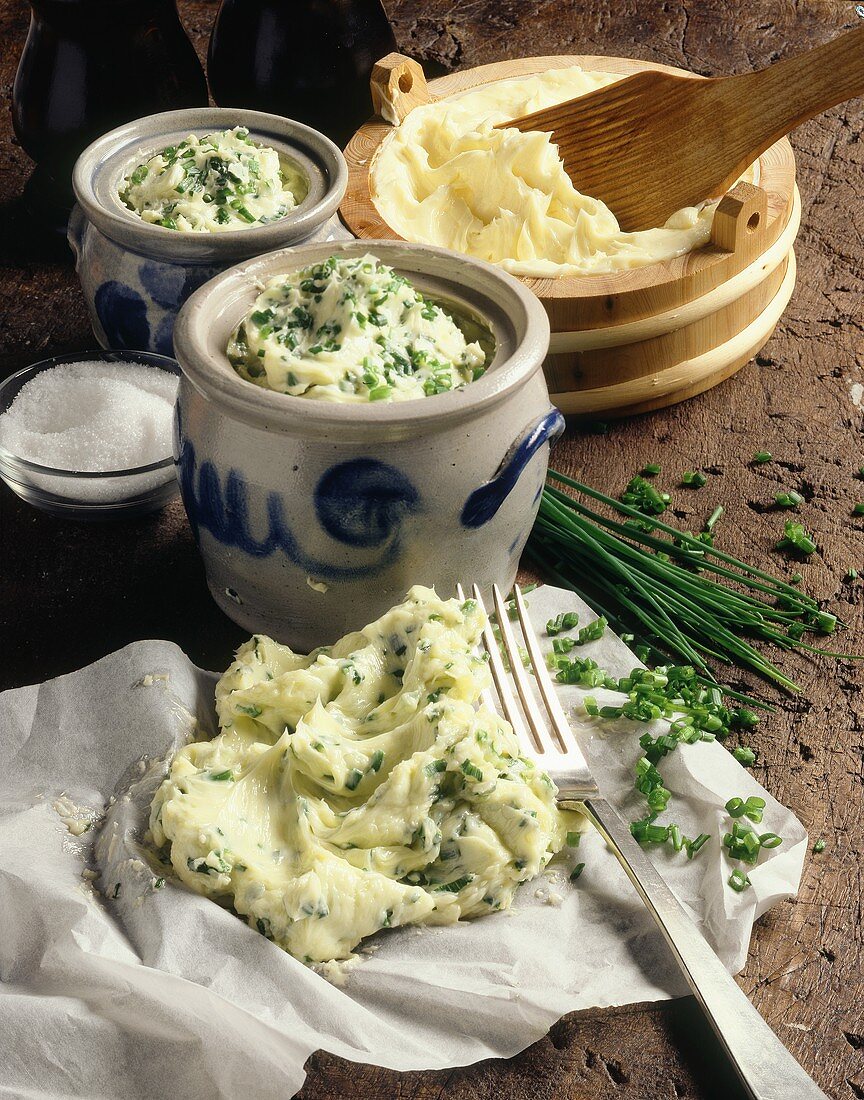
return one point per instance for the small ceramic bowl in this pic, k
(135, 276)
(88, 495)
(313, 517)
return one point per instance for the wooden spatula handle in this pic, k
(777, 99)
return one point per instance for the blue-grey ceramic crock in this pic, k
(135, 276)
(313, 517)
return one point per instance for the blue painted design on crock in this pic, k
(122, 313)
(363, 502)
(222, 508)
(483, 504)
(163, 337)
(165, 283)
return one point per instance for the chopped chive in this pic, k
(567, 620)
(572, 840)
(744, 755)
(738, 880)
(455, 886)
(471, 769)
(770, 840)
(795, 537)
(651, 469)
(858, 509)
(761, 457)
(819, 846)
(693, 479)
(577, 871)
(712, 519)
(694, 846)
(789, 499)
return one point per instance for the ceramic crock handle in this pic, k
(484, 502)
(75, 232)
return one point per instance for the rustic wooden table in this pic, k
(71, 593)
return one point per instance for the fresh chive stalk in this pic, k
(682, 597)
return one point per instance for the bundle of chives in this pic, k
(659, 586)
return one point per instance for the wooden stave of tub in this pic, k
(641, 339)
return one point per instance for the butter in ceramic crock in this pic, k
(446, 177)
(352, 330)
(213, 184)
(358, 788)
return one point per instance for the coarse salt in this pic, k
(92, 416)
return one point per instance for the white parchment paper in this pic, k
(159, 991)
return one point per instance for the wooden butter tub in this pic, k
(637, 339)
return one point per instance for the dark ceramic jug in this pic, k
(309, 60)
(88, 66)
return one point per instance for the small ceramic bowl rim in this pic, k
(135, 358)
(202, 321)
(320, 159)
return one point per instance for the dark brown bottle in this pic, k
(90, 65)
(307, 59)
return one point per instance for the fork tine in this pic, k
(560, 725)
(533, 714)
(501, 680)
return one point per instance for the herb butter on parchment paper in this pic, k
(358, 788)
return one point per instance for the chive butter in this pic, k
(352, 330)
(213, 184)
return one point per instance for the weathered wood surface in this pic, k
(71, 593)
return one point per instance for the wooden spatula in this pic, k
(656, 142)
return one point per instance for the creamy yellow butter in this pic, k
(352, 330)
(213, 184)
(446, 177)
(359, 788)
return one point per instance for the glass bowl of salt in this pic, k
(88, 435)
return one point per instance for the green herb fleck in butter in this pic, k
(366, 792)
(213, 184)
(352, 330)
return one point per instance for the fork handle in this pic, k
(766, 1068)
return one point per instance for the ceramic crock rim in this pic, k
(207, 248)
(220, 383)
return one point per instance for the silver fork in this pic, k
(766, 1068)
